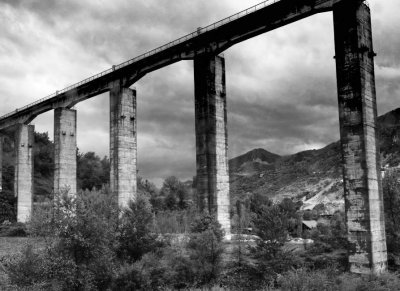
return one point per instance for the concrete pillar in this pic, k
(212, 138)
(123, 170)
(361, 158)
(1, 163)
(23, 184)
(65, 151)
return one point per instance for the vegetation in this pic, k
(161, 242)
(93, 172)
(87, 243)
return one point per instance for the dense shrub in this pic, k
(128, 277)
(13, 229)
(7, 205)
(244, 277)
(197, 264)
(80, 236)
(26, 268)
(352, 282)
(329, 279)
(205, 248)
(158, 270)
(270, 224)
(305, 280)
(135, 237)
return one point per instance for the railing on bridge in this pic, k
(152, 52)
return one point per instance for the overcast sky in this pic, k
(281, 86)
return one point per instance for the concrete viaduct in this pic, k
(357, 114)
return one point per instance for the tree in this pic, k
(135, 236)
(93, 172)
(205, 246)
(174, 193)
(43, 165)
(80, 239)
(270, 223)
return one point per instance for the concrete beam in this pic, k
(212, 138)
(23, 184)
(361, 158)
(65, 151)
(123, 169)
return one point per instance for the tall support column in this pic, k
(1, 163)
(212, 138)
(65, 146)
(23, 184)
(123, 170)
(361, 159)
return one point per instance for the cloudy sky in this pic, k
(281, 86)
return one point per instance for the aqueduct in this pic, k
(357, 115)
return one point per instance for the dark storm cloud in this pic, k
(118, 30)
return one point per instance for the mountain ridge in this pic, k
(303, 175)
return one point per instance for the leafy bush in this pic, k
(329, 279)
(171, 267)
(156, 271)
(27, 268)
(304, 280)
(271, 223)
(7, 204)
(127, 277)
(135, 237)
(80, 236)
(384, 282)
(244, 277)
(13, 229)
(205, 248)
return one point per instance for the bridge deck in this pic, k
(214, 38)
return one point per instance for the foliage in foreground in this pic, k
(331, 280)
(78, 255)
(90, 245)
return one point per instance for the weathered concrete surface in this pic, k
(23, 184)
(361, 159)
(123, 150)
(65, 151)
(1, 163)
(212, 138)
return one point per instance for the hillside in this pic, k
(252, 161)
(313, 176)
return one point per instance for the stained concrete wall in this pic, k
(361, 159)
(65, 151)
(123, 169)
(23, 184)
(1, 163)
(212, 138)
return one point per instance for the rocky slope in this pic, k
(313, 176)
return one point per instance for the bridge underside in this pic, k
(357, 114)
